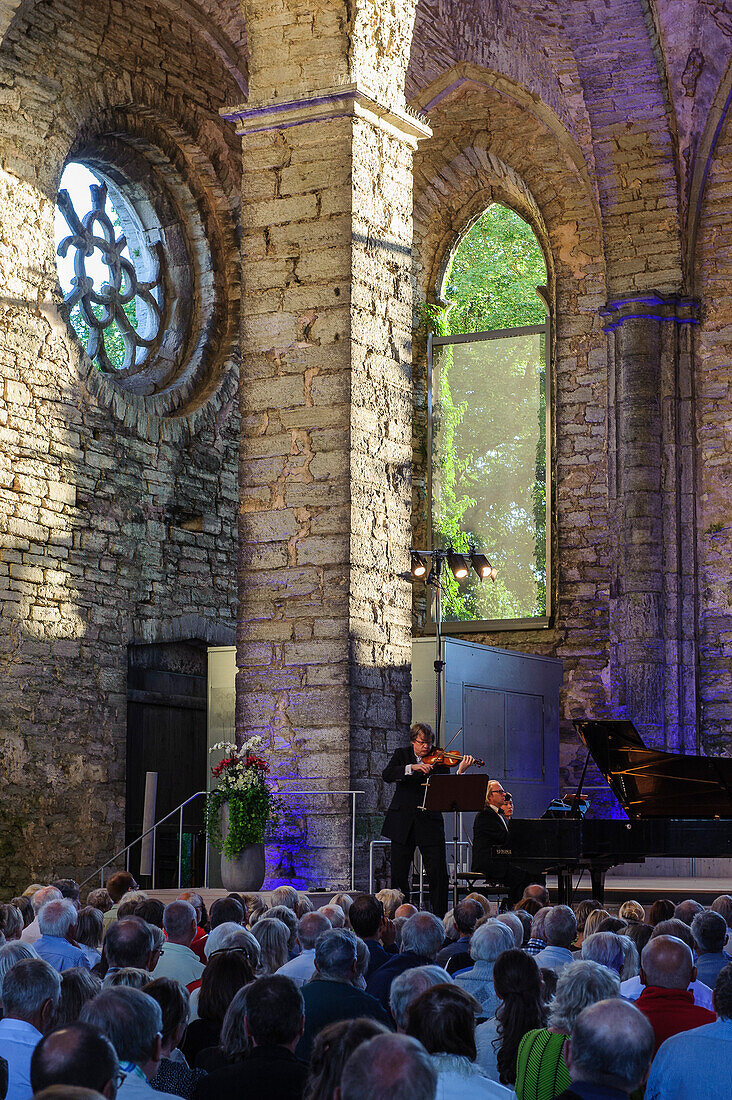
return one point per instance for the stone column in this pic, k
(651, 483)
(324, 641)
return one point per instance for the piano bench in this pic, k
(475, 881)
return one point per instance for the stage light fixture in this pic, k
(458, 565)
(481, 565)
(419, 567)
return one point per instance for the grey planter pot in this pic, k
(245, 872)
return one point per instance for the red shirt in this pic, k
(198, 944)
(671, 1011)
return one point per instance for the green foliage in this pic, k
(249, 815)
(113, 342)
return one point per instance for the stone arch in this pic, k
(180, 628)
(487, 147)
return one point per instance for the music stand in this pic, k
(455, 794)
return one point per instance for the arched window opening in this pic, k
(489, 429)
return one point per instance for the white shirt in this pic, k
(18, 1040)
(632, 989)
(31, 933)
(179, 962)
(301, 969)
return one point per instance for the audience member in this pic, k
(46, 893)
(604, 948)
(25, 908)
(442, 1019)
(537, 941)
(199, 940)
(526, 922)
(304, 905)
(78, 986)
(273, 937)
(288, 918)
(662, 909)
(422, 937)
(173, 1073)
(286, 895)
(581, 912)
(466, 915)
(128, 942)
(639, 935)
(687, 910)
(541, 1069)
(593, 921)
(177, 960)
(411, 984)
(489, 941)
(129, 903)
(396, 1066)
(709, 930)
(133, 1023)
(697, 1063)
(130, 976)
(57, 925)
(335, 915)
(118, 885)
(513, 921)
(631, 989)
(225, 911)
(521, 1008)
(406, 909)
(721, 905)
(151, 911)
(274, 1020)
(538, 891)
(234, 1044)
(371, 925)
(528, 905)
(99, 899)
(12, 953)
(76, 1054)
(223, 977)
(560, 929)
(302, 967)
(69, 889)
(332, 1049)
(609, 1052)
(667, 968)
(232, 937)
(88, 935)
(332, 996)
(345, 901)
(632, 911)
(29, 992)
(11, 922)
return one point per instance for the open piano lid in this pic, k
(649, 783)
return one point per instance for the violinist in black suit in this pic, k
(492, 829)
(408, 827)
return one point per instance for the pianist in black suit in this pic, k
(408, 827)
(491, 830)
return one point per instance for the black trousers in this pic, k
(435, 865)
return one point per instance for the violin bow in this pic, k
(447, 746)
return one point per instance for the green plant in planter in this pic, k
(242, 785)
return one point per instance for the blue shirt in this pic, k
(696, 1063)
(61, 954)
(18, 1040)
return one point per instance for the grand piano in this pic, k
(676, 806)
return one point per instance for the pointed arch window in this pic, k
(489, 423)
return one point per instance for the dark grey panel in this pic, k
(524, 738)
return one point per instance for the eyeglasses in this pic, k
(228, 951)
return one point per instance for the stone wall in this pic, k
(118, 521)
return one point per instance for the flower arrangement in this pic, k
(241, 784)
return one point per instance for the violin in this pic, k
(449, 758)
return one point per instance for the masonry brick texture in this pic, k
(604, 126)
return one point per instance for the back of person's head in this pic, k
(128, 942)
(490, 940)
(230, 938)
(335, 915)
(57, 918)
(722, 996)
(687, 910)
(288, 896)
(288, 917)
(632, 910)
(68, 887)
(580, 984)
(723, 906)
(43, 896)
(25, 907)
(119, 884)
(525, 919)
(709, 930)
(151, 911)
(593, 921)
(582, 911)
(196, 901)
(89, 927)
(639, 934)
(366, 914)
(99, 899)
(467, 913)
(537, 924)
(674, 927)
(443, 1020)
(514, 923)
(12, 953)
(332, 1048)
(605, 948)
(222, 979)
(560, 926)
(274, 1011)
(518, 983)
(235, 1042)
(661, 909)
(482, 901)
(11, 922)
(423, 933)
(610, 924)
(539, 891)
(667, 963)
(304, 905)
(174, 1000)
(396, 1066)
(335, 954)
(344, 901)
(30, 989)
(225, 910)
(67, 1092)
(309, 928)
(529, 905)
(130, 1019)
(411, 984)
(75, 1054)
(273, 937)
(131, 976)
(611, 1045)
(78, 986)
(179, 922)
(391, 900)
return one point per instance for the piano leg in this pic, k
(564, 885)
(597, 878)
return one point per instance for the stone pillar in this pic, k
(324, 641)
(651, 485)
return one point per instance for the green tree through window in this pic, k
(489, 419)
